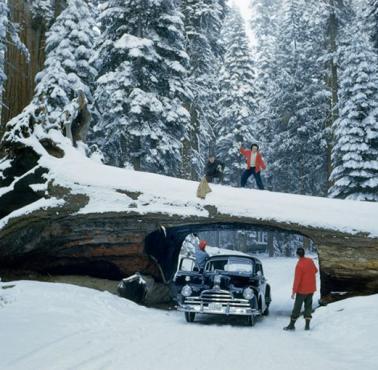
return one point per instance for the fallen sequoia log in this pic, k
(63, 213)
(114, 245)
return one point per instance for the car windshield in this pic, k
(231, 264)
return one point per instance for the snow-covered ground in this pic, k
(46, 326)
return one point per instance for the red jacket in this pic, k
(260, 164)
(305, 273)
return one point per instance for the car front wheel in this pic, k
(189, 316)
(251, 320)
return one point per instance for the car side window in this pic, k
(186, 264)
(208, 266)
(259, 268)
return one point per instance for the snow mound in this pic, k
(48, 326)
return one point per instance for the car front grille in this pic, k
(222, 297)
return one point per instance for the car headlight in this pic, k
(248, 293)
(186, 291)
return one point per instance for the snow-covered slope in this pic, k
(48, 326)
(168, 195)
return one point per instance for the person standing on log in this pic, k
(255, 164)
(303, 289)
(214, 169)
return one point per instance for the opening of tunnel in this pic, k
(165, 245)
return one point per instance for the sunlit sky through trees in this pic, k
(245, 10)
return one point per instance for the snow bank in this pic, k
(49, 326)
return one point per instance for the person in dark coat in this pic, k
(303, 289)
(214, 169)
(255, 164)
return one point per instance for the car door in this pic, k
(187, 267)
(186, 264)
(262, 284)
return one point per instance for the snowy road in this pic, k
(46, 326)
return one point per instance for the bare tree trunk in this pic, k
(306, 243)
(59, 6)
(270, 244)
(189, 143)
(20, 84)
(19, 87)
(137, 142)
(333, 80)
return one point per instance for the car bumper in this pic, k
(231, 308)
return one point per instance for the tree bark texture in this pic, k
(20, 84)
(333, 78)
(19, 87)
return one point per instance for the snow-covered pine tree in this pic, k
(43, 11)
(297, 108)
(63, 87)
(283, 105)
(141, 90)
(214, 13)
(355, 152)
(203, 23)
(337, 14)
(315, 109)
(70, 42)
(237, 103)
(263, 14)
(264, 26)
(69, 50)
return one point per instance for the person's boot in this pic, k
(291, 326)
(307, 327)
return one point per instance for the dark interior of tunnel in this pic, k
(46, 265)
(332, 289)
(98, 269)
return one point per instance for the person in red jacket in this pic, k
(255, 164)
(303, 289)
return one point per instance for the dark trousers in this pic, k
(299, 300)
(246, 175)
(218, 175)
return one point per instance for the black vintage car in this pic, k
(228, 285)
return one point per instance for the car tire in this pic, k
(251, 320)
(266, 311)
(189, 316)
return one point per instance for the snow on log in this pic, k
(71, 214)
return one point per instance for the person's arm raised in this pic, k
(241, 149)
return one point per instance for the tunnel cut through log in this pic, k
(164, 244)
(116, 245)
